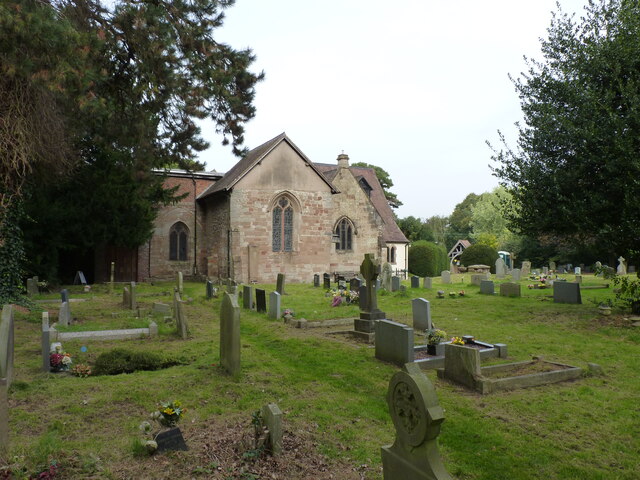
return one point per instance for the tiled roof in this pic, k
(391, 232)
(252, 158)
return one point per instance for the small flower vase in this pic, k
(604, 310)
(287, 317)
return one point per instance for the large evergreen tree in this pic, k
(575, 169)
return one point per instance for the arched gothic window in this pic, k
(393, 255)
(344, 233)
(282, 221)
(178, 241)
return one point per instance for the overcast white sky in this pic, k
(414, 86)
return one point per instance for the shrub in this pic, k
(426, 259)
(120, 360)
(479, 255)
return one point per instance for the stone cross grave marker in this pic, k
(230, 334)
(261, 300)
(417, 417)
(445, 276)
(247, 297)
(415, 282)
(385, 276)
(64, 315)
(362, 297)
(6, 344)
(274, 305)
(280, 284)
(393, 342)
(395, 283)
(501, 268)
(622, 266)
(180, 283)
(370, 269)
(45, 343)
(427, 282)
(272, 417)
(421, 309)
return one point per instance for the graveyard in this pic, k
(329, 386)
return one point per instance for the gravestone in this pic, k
(132, 291)
(181, 319)
(566, 292)
(393, 342)
(395, 283)
(126, 297)
(170, 440)
(526, 269)
(232, 289)
(578, 279)
(426, 282)
(6, 344)
(230, 334)
(417, 418)
(180, 283)
(501, 268)
(354, 284)
(476, 278)
(112, 276)
(45, 342)
(362, 297)
(342, 284)
(326, 278)
(64, 316)
(261, 300)
(274, 305)
(462, 365)
(385, 276)
(510, 289)
(79, 278)
(421, 310)
(280, 284)
(247, 297)
(545, 270)
(209, 289)
(577, 271)
(64, 295)
(598, 269)
(32, 286)
(316, 280)
(415, 282)
(487, 287)
(622, 266)
(515, 275)
(445, 276)
(272, 417)
(552, 266)
(160, 308)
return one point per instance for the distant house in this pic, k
(274, 211)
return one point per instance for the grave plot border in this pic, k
(491, 350)
(97, 335)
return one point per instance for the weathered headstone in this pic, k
(545, 270)
(6, 344)
(501, 268)
(552, 266)
(622, 266)
(342, 284)
(566, 292)
(64, 315)
(45, 342)
(209, 289)
(181, 320)
(272, 417)
(476, 278)
(515, 275)
(445, 276)
(326, 278)
(578, 279)
(126, 297)
(385, 276)
(274, 305)
(421, 310)
(79, 278)
(316, 280)
(395, 283)
(32, 286)
(426, 282)
(134, 301)
(64, 295)
(180, 283)
(112, 276)
(577, 271)
(487, 287)
(354, 284)
(247, 297)
(462, 365)
(261, 300)
(280, 284)
(230, 334)
(510, 289)
(526, 268)
(598, 268)
(415, 282)
(160, 308)
(170, 440)
(232, 289)
(417, 418)
(394, 342)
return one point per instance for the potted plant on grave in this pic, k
(434, 338)
(168, 414)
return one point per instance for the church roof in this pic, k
(251, 159)
(391, 232)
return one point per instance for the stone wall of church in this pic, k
(216, 246)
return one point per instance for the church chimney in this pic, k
(343, 160)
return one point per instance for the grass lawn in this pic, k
(331, 390)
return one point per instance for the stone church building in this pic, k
(274, 211)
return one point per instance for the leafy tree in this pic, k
(460, 220)
(415, 229)
(385, 182)
(574, 171)
(426, 259)
(438, 226)
(489, 222)
(478, 254)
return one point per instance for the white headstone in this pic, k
(445, 276)
(501, 269)
(421, 314)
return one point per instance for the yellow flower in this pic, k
(168, 411)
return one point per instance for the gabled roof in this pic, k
(391, 232)
(255, 156)
(458, 248)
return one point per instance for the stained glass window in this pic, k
(344, 231)
(178, 242)
(282, 224)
